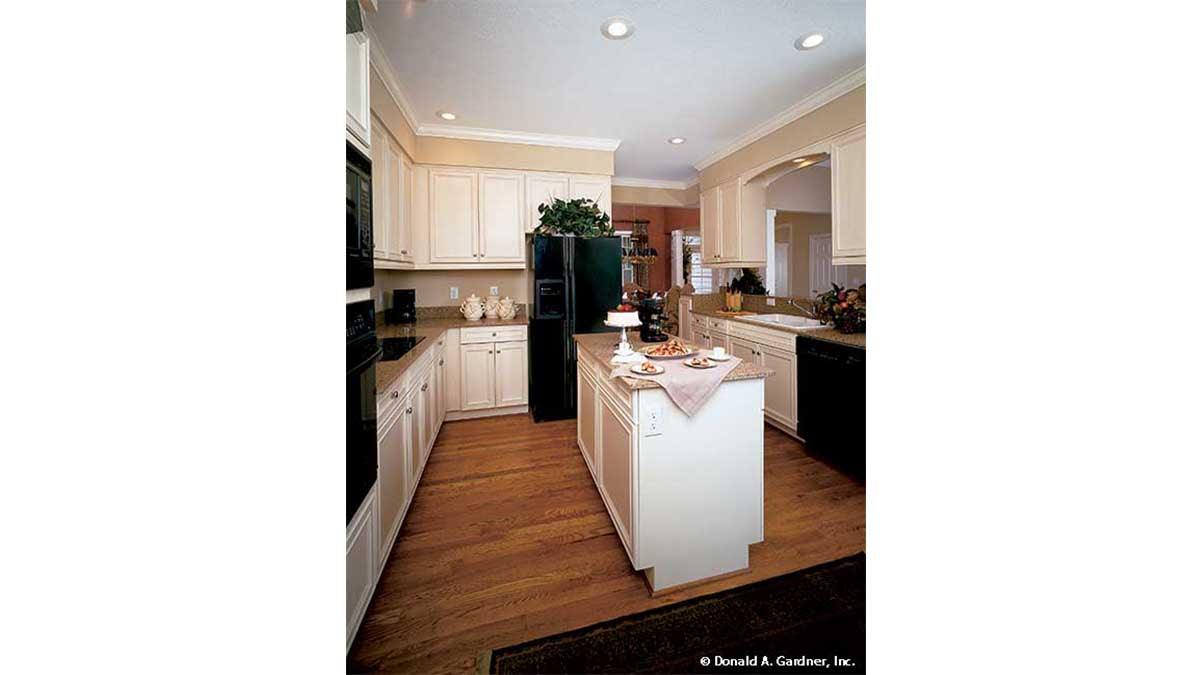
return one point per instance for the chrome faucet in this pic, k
(805, 310)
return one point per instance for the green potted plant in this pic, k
(573, 218)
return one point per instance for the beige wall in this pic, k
(656, 196)
(433, 286)
(807, 190)
(801, 226)
(840, 114)
(488, 154)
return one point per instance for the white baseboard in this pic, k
(489, 412)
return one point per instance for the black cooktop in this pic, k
(396, 347)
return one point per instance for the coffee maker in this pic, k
(653, 318)
(404, 306)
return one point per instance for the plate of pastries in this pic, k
(647, 368)
(671, 349)
(700, 362)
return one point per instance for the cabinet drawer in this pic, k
(388, 401)
(478, 334)
(719, 325)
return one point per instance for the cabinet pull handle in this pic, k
(395, 394)
(409, 411)
(424, 387)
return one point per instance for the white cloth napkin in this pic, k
(688, 387)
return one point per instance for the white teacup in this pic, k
(718, 352)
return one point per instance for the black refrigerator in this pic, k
(575, 283)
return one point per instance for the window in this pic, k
(701, 276)
(627, 274)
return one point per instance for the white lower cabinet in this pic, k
(362, 551)
(478, 366)
(394, 474)
(512, 366)
(585, 406)
(493, 367)
(616, 472)
(775, 350)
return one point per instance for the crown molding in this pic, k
(386, 73)
(838, 87)
(692, 182)
(651, 183)
(523, 137)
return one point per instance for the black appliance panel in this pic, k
(830, 383)
(361, 354)
(404, 306)
(394, 348)
(597, 272)
(360, 251)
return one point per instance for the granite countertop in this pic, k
(826, 334)
(387, 372)
(600, 346)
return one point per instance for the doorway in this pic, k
(782, 258)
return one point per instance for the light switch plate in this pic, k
(454, 292)
(493, 290)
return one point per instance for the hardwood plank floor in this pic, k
(507, 540)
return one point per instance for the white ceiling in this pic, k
(708, 70)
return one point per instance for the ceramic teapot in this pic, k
(491, 308)
(472, 308)
(508, 308)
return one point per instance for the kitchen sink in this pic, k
(788, 320)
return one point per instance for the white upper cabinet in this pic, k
(358, 92)
(380, 210)
(848, 160)
(394, 172)
(453, 215)
(596, 188)
(733, 225)
(542, 189)
(501, 216)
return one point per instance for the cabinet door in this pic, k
(440, 391)
(362, 554)
(394, 472)
(453, 357)
(512, 373)
(743, 349)
(710, 225)
(731, 246)
(585, 406)
(401, 240)
(396, 202)
(427, 393)
(594, 188)
(478, 381)
(542, 189)
(416, 454)
(779, 390)
(616, 470)
(501, 217)
(848, 160)
(358, 92)
(381, 213)
(453, 215)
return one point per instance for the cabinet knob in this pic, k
(395, 394)
(441, 362)
(489, 351)
(424, 387)
(409, 411)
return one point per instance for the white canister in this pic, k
(492, 308)
(472, 308)
(508, 308)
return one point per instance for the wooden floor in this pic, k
(507, 540)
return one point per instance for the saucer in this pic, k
(714, 357)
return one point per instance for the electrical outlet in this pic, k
(454, 292)
(654, 422)
(770, 302)
(493, 290)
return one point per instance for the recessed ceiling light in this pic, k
(448, 116)
(810, 41)
(616, 28)
(677, 140)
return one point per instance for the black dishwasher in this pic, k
(831, 392)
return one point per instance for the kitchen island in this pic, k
(684, 493)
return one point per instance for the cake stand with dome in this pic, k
(624, 353)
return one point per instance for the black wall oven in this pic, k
(360, 247)
(362, 351)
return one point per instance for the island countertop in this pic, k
(600, 347)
